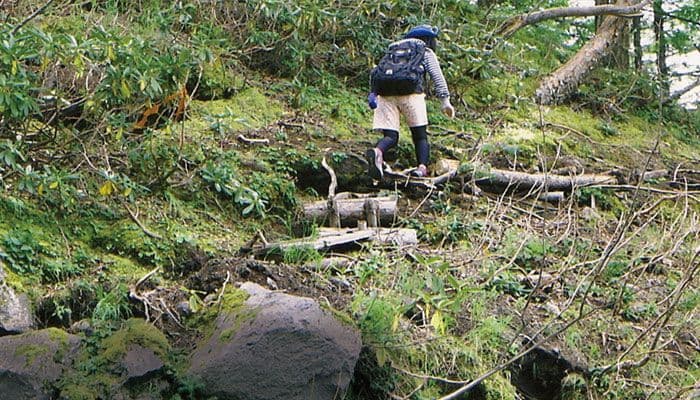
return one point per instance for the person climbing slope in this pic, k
(397, 88)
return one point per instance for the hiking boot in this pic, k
(376, 163)
(421, 171)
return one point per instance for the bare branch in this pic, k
(514, 24)
(32, 16)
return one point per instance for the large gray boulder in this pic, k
(32, 362)
(15, 310)
(276, 346)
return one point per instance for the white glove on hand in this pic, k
(447, 108)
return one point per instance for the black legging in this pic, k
(419, 134)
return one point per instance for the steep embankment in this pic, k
(141, 206)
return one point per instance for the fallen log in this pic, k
(504, 179)
(522, 181)
(350, 210)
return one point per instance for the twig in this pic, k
(332, 205)
(427, 196)
(223, 287)
(170, 313)
(146, 277)
(473, 383)
(434, 378)
(661, 321)
(246, 140)
(334, 181)
(32, 16)
(143, 228)
(134, 294)
(645, 188)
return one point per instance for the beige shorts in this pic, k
(390, 108)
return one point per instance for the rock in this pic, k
(129, 364)
(31, 362)
(184, 308)
(83, 326)
(140, 362)
(15, 311)
(138, 351)
(276, 346)
(540, 373)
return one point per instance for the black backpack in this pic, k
(400, 71)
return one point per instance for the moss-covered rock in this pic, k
(135, 354)
(275, 346)
(32, 363)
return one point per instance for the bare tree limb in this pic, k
(134, 217)
(514, 24)
(524, 181)
(661, 321)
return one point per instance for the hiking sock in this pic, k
(390, 139)
(420, 142)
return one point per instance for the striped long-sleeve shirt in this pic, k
(432, 67)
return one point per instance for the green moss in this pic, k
(134, 331)
(339, 315)
(232, 305)
(125, 238)
(95, 375)
(248, 109)
(78, 385)
(62, 339)
(235, 312)
(30, 352)
(220, 79)
(581, 120)
(122, 267)
(79, 392)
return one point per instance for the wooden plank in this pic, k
(330, 238)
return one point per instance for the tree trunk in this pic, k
(564, 81)
(619, 53)
(331, 238)
(637, 33)
(599, 18)
(660, 36)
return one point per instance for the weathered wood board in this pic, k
(330, 239)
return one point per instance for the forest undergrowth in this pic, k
(143, 145)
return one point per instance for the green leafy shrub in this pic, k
(22, 252)
(224, 180)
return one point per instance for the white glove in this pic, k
(447, 108)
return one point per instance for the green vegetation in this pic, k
(139, 140)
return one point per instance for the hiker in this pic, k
(397, 88)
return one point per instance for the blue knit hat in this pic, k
(422, 31)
